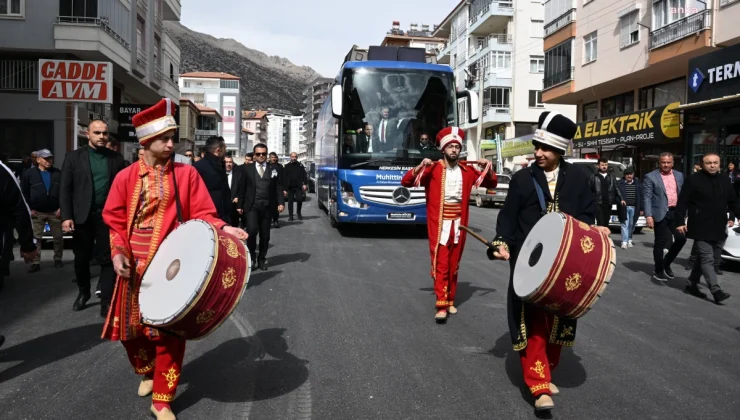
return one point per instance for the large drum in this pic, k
(564, 265)
(195, 280)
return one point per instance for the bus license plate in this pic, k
(401, 216)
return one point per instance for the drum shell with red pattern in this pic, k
(564, 265)
(195, 280)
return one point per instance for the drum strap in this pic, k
(178, 206)
(540, 194)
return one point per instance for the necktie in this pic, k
(261, 170)
(382, 131)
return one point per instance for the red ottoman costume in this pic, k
(447, 190)
(141, 212)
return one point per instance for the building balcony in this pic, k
(493, 42)
(157, 76)
(443, 56)
(171, 10)
(19, 75)
(560, 22)
(105, 36)
(141, 60)
(558, 78)
(496, 114)
(170, 88)
(493, 17)
(158, 23)
(142, 6)
(681, 29)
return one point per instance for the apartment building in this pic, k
(314, 96)
(415, 37)
(283, 132)
(496, 50)
(626, 66)
(130, 35)
(256, 122)
(220, 91)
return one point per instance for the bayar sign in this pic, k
(75, 81)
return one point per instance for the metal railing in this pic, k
(19, 75)
(140, 58)
(558, 78)
(496, 39)
(681, 29)
(499, 5)
(560, 22)
(158, 73)
(103, 23)
(158, 24)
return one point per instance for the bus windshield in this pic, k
(391, 117)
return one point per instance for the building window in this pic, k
(496, 97)
(558, 64)
(536, 64)
(186, 83)
(537, 28)
(590, 112)
(666, 12)
(501, 59)
(663, 94)
(618, 105)
(12, 8)
(628, 30)
(589, 46)
(229, 84)
(555, 9)
(230, 113)
(535, 99)
(140, 31)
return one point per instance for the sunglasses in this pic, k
(260, 154)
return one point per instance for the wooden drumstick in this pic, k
(478, 237)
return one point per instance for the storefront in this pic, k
(637, 138)
(712, 115)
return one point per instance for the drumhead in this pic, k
(538, 253)
(177, 272)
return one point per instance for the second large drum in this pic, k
(564, 265)
(194, 281)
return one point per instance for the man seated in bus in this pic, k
(365, 139)
(424, 144)
(349, 144)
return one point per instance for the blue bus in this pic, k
(370, 131)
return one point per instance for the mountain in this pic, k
(266, 81)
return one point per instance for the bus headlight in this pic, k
(348, 196)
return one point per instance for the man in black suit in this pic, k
(262, 188)
(211, 169)
(274, 204)
(87, 174)
(235, 178)
(365, 139)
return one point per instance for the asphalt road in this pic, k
(341, 327)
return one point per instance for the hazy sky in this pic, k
(316, 33)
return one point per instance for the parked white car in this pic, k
(482, 196)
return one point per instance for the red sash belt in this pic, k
(451, 211)
(140, 241)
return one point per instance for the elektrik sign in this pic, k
(714, 75)
(649, 125)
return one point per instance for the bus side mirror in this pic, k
(336, 101)
(471, 102)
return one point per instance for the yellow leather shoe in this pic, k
(164, 414)
(553, 389)
(146, 386)
(452, 310)
(544, 403)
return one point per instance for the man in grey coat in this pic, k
(661, 188)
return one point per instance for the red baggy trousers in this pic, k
(445, 272)
(540, 356)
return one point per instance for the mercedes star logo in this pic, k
(401, 195)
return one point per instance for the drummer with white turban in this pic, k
(536, 334)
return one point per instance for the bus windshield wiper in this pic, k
(371, 161)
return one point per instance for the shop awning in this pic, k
(708, 102)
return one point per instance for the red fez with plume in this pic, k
(450, 135)
(155, 121)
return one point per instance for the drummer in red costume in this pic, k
(141, 212)
(536, 334)
(447, 184)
